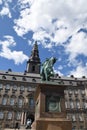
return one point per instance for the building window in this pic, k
(1, 115)
(74, 128)
(73, 117)
(4, 101)
(22, 88)
(14, 87)
(18, 115)
(70, 92)
(0, 86)
(85, 105)
(9, 116)
(24, 79)
(66, 104)
(77, 104)
(14, 78)
(65, 92)
(76, 92)
(81, 128)
(12, 101)
(31, 102)
(33, 68)
(80, 118)
(3, 77)
(83, 92)
(7, 87)
(31, 88)
(71, 103)
(20, 102)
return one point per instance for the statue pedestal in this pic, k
(51, 124)
(50, 113)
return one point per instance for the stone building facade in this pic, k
(17, 95)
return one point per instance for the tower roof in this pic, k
(35, 53)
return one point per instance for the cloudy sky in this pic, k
(58, 26)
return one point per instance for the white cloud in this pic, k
(77, 46)
(17, 56)
(56, 20)
(79, 71)
(0, 1)
(5, 10)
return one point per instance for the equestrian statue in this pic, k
(47, 69)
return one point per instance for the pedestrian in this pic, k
(17, 126)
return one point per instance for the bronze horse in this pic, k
(47, 69)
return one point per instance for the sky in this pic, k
(58, 26)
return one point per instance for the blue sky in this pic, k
(58, 26)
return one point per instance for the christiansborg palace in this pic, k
(17, 90)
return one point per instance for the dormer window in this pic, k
(24, 79)
(14, 78)
(3, 77)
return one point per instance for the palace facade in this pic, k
(17, 95)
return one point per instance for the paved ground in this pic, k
(21, 128)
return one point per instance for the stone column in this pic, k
(22, 116)
(25, 118)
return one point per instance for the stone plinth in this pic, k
(52, 124)
(50, 112)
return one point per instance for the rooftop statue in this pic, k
(47, 69)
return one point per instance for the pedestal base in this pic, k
(52, 124)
